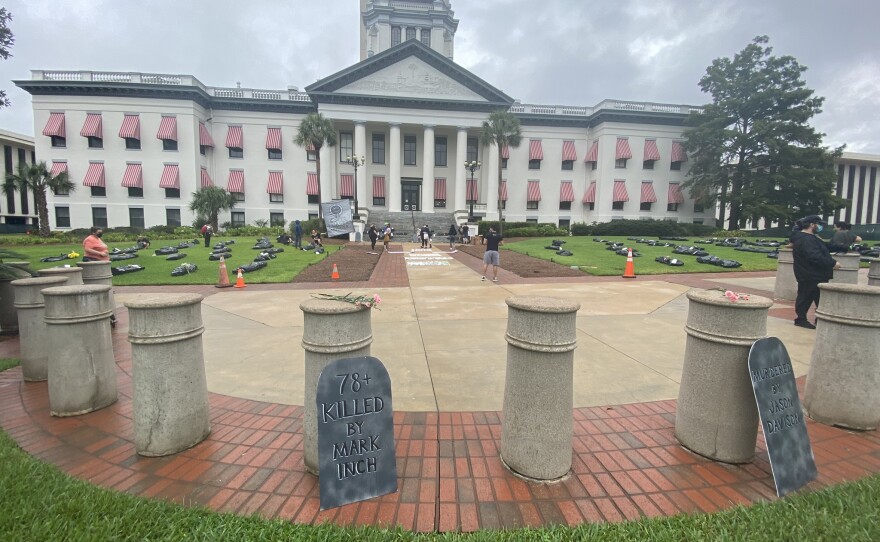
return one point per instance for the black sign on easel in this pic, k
(355, 432)
(782, 420)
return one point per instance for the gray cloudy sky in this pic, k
(571, 52)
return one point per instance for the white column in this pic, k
(491, 165)
(394, 169)
(460, 201)
(428, 171)
(360, 150)
(327, 173)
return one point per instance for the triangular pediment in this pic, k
(412, 77)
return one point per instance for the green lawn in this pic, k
(592, 257)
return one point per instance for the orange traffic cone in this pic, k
(629, 272)
(223, 281)
(240, 282)
(335, 274)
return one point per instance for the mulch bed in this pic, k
(522, 265)
(352, 261)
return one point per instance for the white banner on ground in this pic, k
(337, 217)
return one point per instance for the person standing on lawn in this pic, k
(207, 231)
(491, 256)
(813, 265)
(297, 234)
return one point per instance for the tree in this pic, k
(502, 129)
(6, 41)
(209, 201)
(37, 178)
(316, 130)
(753, 149)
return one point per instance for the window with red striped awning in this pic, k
(566, 191)
(95, 174)
(131, 127)
(378, 186)
(678, 152)
(620, 193)
(503, 189)
(55, 125)
(536, 152)
(533, 191)
(310, 147)
(648, 195)
(234, 138)
(568, 151)
(312, 188)
(440, 188)
(473, 194)
(205, 180)
(346, 185)
(651, 152)
(92, 127)
(674, 195)
(58, 168)
(168, 129)
(590, 194)
(273, 139)
(593, 153)
(505, 152)
(133, 177)
(622, 151)
(276, 183)
(170, 177)
(205, 138)
(236, 181)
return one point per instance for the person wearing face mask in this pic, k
(94, 250)
(813, 265)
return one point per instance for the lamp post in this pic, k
(472, 167)
(355, 162)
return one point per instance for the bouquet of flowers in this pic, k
(369, 301)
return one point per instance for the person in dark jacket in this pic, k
(843, 238)
(374, 236)
(813, 265)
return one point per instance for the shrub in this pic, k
(580, 228)
(254, 231)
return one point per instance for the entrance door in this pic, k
(411, 195)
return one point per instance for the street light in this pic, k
(355, 162)
(472, 167)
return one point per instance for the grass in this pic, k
(157, 270)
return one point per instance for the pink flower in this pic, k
(731, 296)
(376, 299)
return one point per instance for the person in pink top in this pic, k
(94, 250)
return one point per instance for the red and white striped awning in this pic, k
(590, 194)
(133, 177)
(674, 195)
(648, 195)
(236, 181)
(312, 188)
(620, 193)
(310, 147)
(651, 152)
(678, 152)
(205, 138)
(168, 129)
(234, 138)
(568, 151)
(58, 168)
(92, 127)
(276, 183)
(95, 174)
(205, 180)
(170, 177)
(535, 150)
(566, 191)
(623, 151)
(346, 185)
(55, 125)
(473, 193)
(131, 127)
(273, 139)
(593, 153)
(503, 189)
(440, 188)
(505, 152)
(533, 191)
(378, 186)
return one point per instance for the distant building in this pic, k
(857, 181)
(17, 212)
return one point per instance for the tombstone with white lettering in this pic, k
(355, 432)
(782, 420)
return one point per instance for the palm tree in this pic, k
(37, 178)
(316, 130)
(209, 201)
(502, 130)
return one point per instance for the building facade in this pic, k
(17, 210)
(858, 182)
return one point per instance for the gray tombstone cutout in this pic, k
(782, 420)
(355, 432)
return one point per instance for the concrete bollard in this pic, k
(841, 387)
(33, 333)
(849, 271)
(8, 312)
(874, 272)
(73, 274)
(331, 330)
(98, 273)
(716, 415)
(537, 426)
(170, 389)
(786, 285)
(82, 370)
